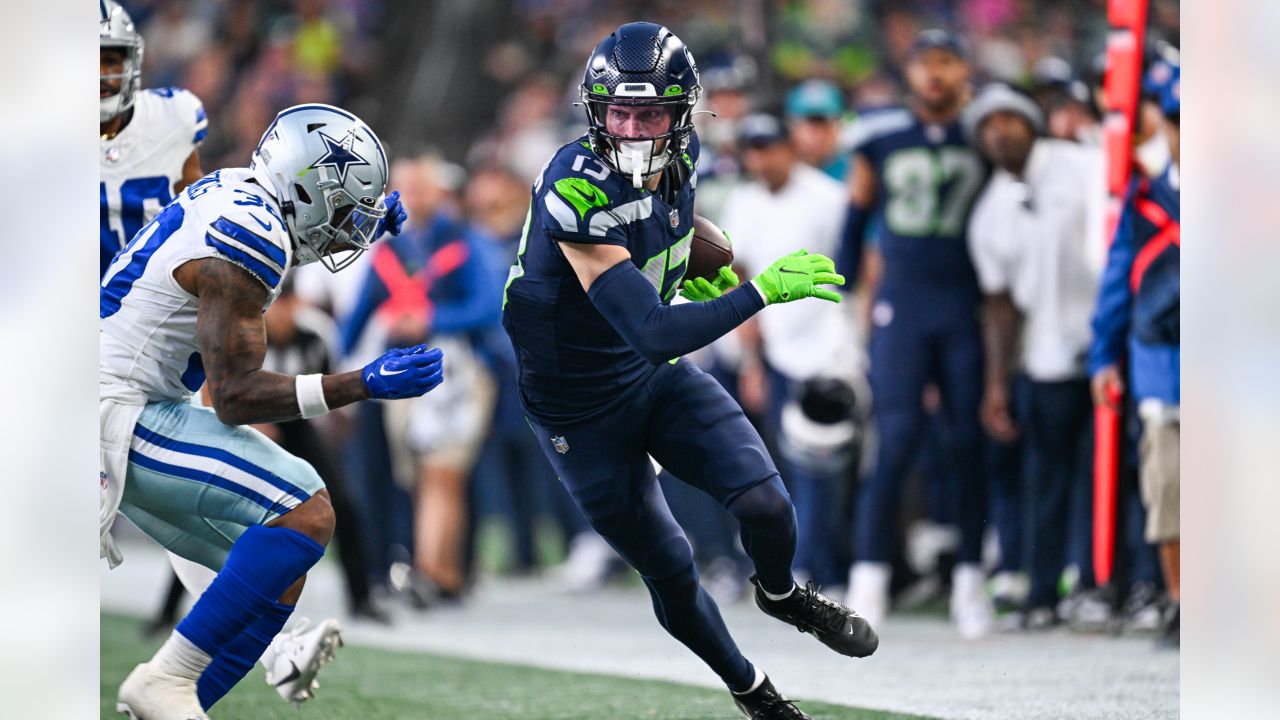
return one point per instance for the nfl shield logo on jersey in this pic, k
(560, 444)
(674, 217)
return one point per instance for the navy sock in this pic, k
(768, 531)
(239, 656)
(261, 566)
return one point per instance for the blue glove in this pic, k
(404, 372)
(395, 218)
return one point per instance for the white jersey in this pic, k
(141, 164)
(147, 333)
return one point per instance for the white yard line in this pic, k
(921, 666)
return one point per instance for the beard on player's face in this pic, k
(937, 80)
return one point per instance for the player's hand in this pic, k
(404, 372)
(797, 276)
(700, 289)
(395, 218)
(995, 414)
(1107, 386)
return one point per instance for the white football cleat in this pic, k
(149, 694)
(971, 608)
(869, 591)
(294, 658)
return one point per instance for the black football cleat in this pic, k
(766, 703)
(835, 625)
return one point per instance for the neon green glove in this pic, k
(700, 289)
(798, 275)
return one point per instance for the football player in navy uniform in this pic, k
(587, 307)
(914, 171)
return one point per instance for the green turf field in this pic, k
(368, 683)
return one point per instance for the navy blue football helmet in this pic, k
(640, 63)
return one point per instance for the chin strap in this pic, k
(637, 157)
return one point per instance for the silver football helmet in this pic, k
(115, 30)
(329, 172)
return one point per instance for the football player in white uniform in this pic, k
(182, 302)
(149, 137)
(149, 153)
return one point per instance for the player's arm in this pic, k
(190, 104)
(862, 198)
(659, 331)
(232, 339)
(652, 328)
(1111, 315)
(191, 172)
(1002, 325)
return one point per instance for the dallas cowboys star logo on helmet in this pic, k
(339, 155)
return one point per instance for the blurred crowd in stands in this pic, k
(433, 493)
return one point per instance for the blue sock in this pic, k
(262, 564)
(240, 655)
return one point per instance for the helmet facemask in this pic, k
(351, 223)
(639, 158)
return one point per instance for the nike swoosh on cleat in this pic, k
(294, 675)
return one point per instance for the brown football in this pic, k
(710, 250)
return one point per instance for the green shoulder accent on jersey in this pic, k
(581, 194)
(673, 90)
(585, 144)
(599, 89)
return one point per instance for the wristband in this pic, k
(310, 395)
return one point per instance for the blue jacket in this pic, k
(1139, 297)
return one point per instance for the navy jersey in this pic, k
(573, 364)
(928, 178)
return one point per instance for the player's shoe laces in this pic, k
(835, 625)
(149, 694)
(294, 658)
(766, 703)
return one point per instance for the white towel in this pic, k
(118, 411)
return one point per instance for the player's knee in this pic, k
(767, 502)
(669, 562)
(314, 518)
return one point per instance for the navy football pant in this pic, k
(937, 341)
(1060, 432)
(690, 425)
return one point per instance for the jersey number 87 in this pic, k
(929, 193)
